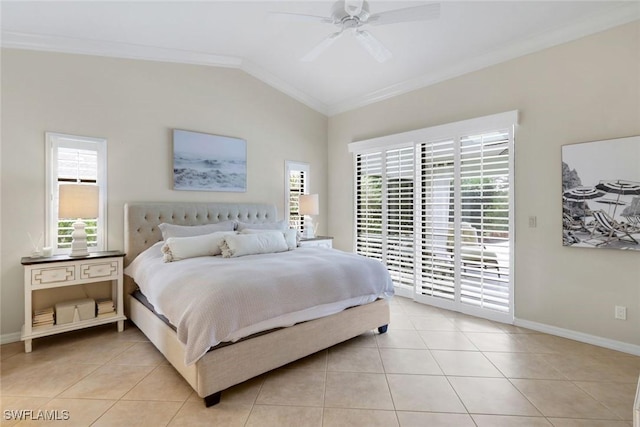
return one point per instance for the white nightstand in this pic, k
(62, 270)
(319, 241)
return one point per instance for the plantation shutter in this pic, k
(369, 204)
(399, 178)
(75, 159)
(76, 165)
(436, 274)
(297, 186)
(434, 205)
(484, 200)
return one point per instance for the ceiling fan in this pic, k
(352, 16)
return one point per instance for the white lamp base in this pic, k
(309, 229)
(79, 242)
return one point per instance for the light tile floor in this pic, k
(433, 368)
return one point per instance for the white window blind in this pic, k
(76, 165)
(75, 159)
(399, 228)
(384, 210)
(435, 206)
(368, 219)
(297, 176)
(484, 200)
(437, 217)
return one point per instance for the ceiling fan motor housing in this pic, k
(344, 10)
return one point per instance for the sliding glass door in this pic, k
(465, 226)
(438, 213)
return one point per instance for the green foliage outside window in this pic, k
(65, 228)
(486, 200)
(369, 203)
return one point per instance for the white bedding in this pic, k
(213, 299)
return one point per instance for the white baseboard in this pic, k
(561, 332)
(580, 336)
(8, 338)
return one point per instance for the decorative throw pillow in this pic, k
(290, 236)
(173, 230)
(279, 225)
(253, 244)
(177, 248)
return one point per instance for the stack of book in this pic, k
(105, 307)
(43, 317)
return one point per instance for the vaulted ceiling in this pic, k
(467, 36)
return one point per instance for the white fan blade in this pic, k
(297, 17)
(353, 7)
(320, 47)
(373, 45)
(417, 13)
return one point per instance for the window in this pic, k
(75, 159)
(297, 183)
(434, 206)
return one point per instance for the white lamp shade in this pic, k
(78, 201)
(308, 204)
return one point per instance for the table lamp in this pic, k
(78, 201)
(308, 205)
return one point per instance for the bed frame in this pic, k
(229, 365)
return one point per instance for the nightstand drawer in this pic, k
(41, 276)
(95, 270)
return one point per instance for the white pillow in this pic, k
(253, 244)
(177, 248)
(173, 230)
(290, 236)
(280, 225)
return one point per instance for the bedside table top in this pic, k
(27, 260)
(303, 239)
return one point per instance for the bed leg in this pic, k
(382, 329)
(212, 399)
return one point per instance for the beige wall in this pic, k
(582, 91)
(134, 105)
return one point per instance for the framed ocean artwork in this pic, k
(206, 162)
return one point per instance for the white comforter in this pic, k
(213, 299)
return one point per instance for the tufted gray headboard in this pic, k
(141, 219)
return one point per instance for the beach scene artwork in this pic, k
(601, 194)
(205, 162)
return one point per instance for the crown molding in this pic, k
(40, 42)
(43, 42)
(593, 24)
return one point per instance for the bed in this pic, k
(229, 364)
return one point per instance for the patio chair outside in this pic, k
(610, 229)
(473, 253)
